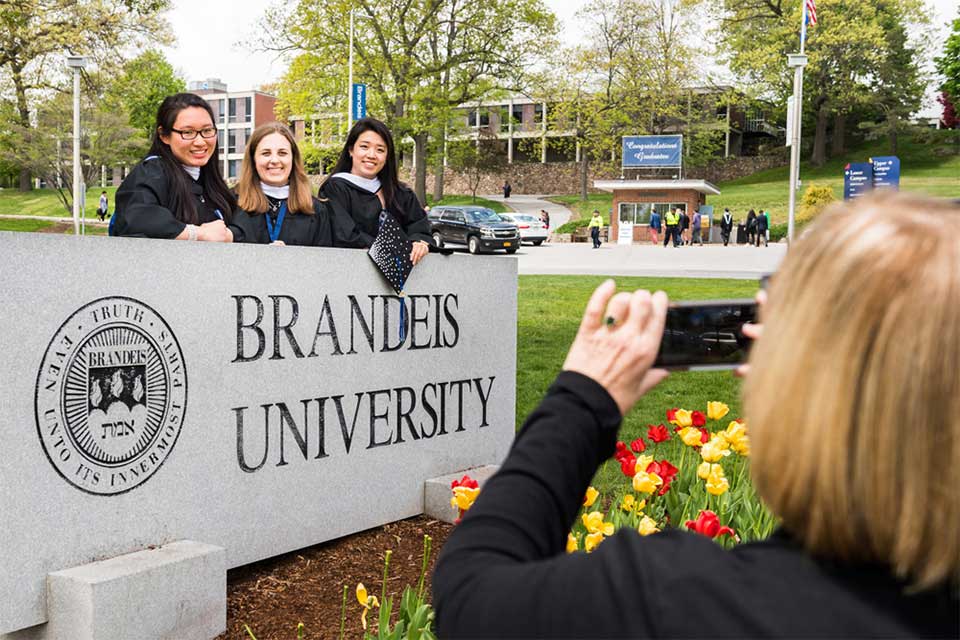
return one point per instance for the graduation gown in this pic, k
(356, 214)
(298, 229)
(143, 204)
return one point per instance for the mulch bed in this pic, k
(273, 595)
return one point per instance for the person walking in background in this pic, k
(103, 206)
(762, 227)
(696, 228)
(654, 226)
(545, 219)
(751, 227)
(506, 189)
(684, 226)
(766, 214)
(596, 222)
(672, 220)
(726, 226)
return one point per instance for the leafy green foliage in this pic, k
(141, 86)
(948, 64)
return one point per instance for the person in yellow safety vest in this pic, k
(672, 220)
(596, 222)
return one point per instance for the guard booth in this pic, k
(634, 200)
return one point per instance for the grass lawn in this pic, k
(549, 309)
(499, 207)
(44, 202)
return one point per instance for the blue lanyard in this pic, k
(274, 231)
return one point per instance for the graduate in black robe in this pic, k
(177, 191)
(274, 201)
(363, 183)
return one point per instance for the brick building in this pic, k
(633, 201)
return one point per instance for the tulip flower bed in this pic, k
(692, 474)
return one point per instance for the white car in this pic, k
(531, 228)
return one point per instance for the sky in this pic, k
(203, 52)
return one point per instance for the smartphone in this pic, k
(706, 335)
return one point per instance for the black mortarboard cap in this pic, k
(391, 252)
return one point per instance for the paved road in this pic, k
(711, 261)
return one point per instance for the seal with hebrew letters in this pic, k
(111, 395)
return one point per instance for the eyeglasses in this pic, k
(190, 134)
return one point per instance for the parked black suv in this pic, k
(479, 228)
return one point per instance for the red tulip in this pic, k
(657, 433)
(465, 481)
(628, 465)
(638, 445)
(708, 524)
(698, 418)
(666, 471)
(704, 435)
(671, 414)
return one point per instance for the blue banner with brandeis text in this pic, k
(652, 151)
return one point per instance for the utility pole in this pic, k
(77, 63)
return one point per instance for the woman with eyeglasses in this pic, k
(177, 191)
(274, 203)
(364, 182)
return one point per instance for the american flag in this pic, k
(811, 6)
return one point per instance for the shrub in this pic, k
(814, 199)
(573, 225)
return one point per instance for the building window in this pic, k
(480, 118)
(538, 113)
(241, 109)
(220, 146)
(635, 212)
(233, 168)
(217, 107)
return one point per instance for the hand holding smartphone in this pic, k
(706, 335)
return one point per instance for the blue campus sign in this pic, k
(886, 171)
(857, 179)
(358, 101)
(652, 151)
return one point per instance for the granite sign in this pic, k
(256, 398)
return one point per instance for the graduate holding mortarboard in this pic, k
(275, 205)
(364, 183)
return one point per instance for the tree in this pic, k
(948, 65)
(34, 34)
(474, 158)
(45, 150)
(852, 52)
(419, 58)
(143, 84)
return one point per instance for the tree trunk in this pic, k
(438, 167)
(819, 155)
(584, 169)
(23, 112)
(894, 125)
(420, 168)
(838, 146)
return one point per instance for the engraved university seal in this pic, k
(111, 395)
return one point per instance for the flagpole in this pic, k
(797, 62)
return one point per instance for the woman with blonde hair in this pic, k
(274, 200)
(851, 398)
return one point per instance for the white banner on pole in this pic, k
(790, 115)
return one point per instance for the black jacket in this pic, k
(726, 225)
(356, 214)
(298, 229)
(503, 572)
(142, 206)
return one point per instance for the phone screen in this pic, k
(706, 335)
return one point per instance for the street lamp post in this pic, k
(796, 61)
(77, 63)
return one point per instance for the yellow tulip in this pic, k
(716, 410)
(647, 526)
(366, 601)
(571, 543)
(642, 463)
(682, 418)
(590, 497)
(591, 541)
(690, 436)
(463, 497)
(645, 482)
(704, 470)
(736, 435)
(715, 448)
(717, 483)
(593, 522)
